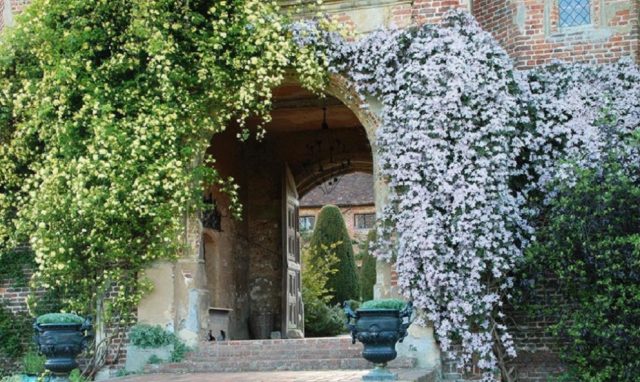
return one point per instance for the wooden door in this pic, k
(293, 309)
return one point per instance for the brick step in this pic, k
(245, 365)
(280, 349)
(278, 353)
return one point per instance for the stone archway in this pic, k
(183, 296)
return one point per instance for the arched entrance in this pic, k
(252, 265)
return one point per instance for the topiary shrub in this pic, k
(60, 318)
(367, 276)
(330, 230)
(387, 303)
(591, 245)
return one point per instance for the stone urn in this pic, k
(61, 337)
(379, 329)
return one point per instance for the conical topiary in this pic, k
(330, 229)
(368, 271)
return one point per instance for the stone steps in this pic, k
(275, 355)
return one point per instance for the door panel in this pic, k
(293, 309)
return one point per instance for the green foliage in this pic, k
(329, 230)
(322, 320)
(33, 363)
(76, 376)
(318, 264)
(13, 264)
(12, 378)
(367, 275)
(150, 336)
(389, 303)
(591, 245)
(180, 350)
(15, 333)
(59, 318)
(106, 111)
(154, 336)
(154, 360)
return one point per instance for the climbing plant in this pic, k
(468, 147)
(106, 109)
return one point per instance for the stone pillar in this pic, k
(180, 298)
(191, 296)
(6, 14)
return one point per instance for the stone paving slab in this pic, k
(415, 375)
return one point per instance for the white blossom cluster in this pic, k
(575, 115)
(469, 148)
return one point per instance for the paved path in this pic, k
(272, 376)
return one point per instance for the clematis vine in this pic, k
(469, 147)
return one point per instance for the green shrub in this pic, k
(76, 376)
(318, 264)
(33, 363)
(60, 318)
(154, 336)
(329, 230)
(322, 320)
(590, 243)
(367, 275)
(150, 336)
(15, 332)
(154, 360)
(389, 303)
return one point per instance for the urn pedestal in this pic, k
(61, 343)
(379, 330)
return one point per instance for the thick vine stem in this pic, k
(507, 374)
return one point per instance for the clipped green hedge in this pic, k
(60, 318)
(367, 277)
(329, 230)
(389, 303)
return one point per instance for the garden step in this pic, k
(246, 365)
(272, 355)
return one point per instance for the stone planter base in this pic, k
(380, 373)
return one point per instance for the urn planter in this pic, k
(379, 329)
(60, 338)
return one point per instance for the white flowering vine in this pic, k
(468, 147)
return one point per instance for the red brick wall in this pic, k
(496, 16)
(529, 31)
(14, 298)
(430, 11)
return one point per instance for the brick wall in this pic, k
(431, 11)
(13, 296)
(529, 30)
(497, 17)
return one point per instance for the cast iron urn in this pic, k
(61, 343)
(379, 330)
